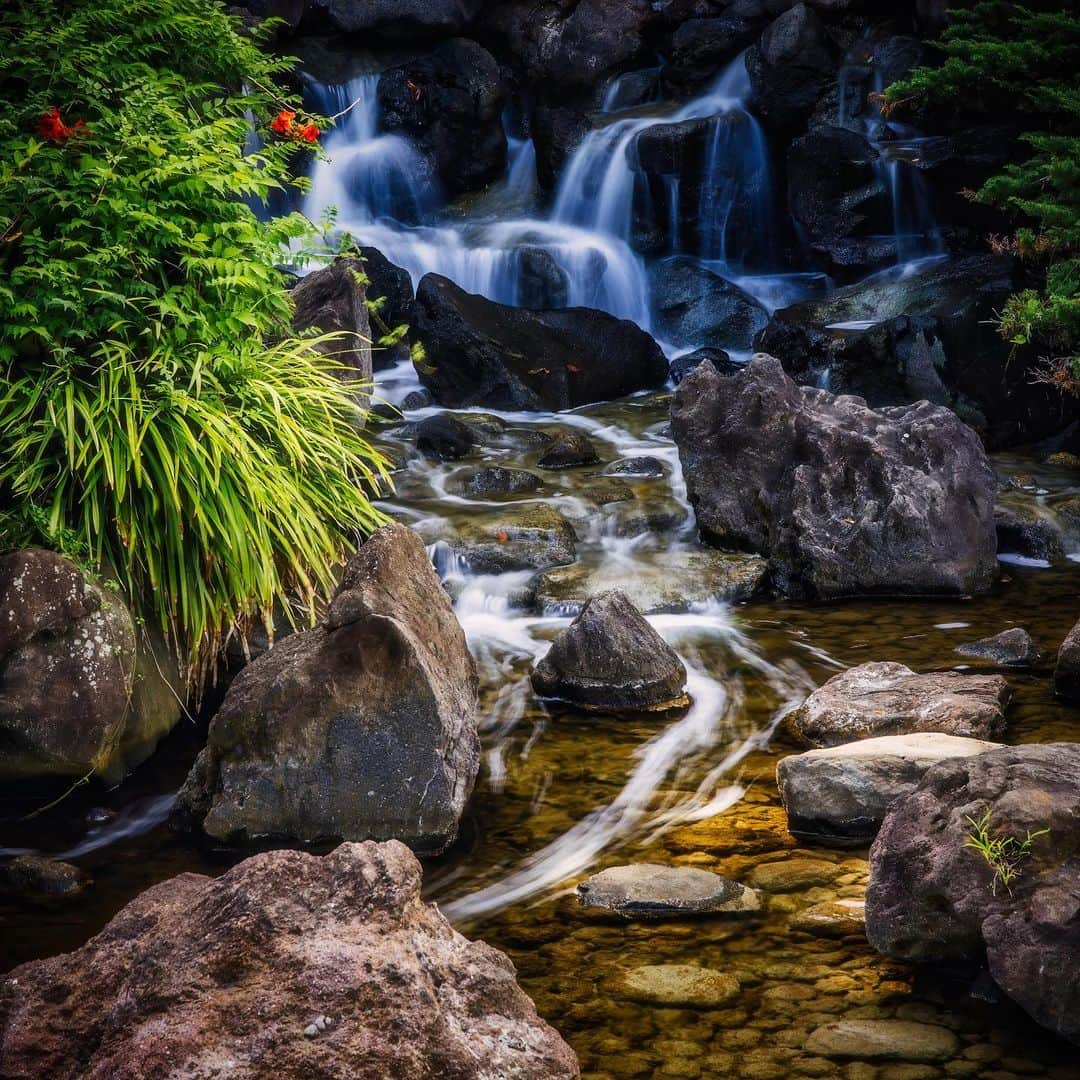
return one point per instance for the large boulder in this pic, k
(363, 727)
(700, 47)
(843, 499)
(934, 897)
(450, 104)
(83, 689)
(694, 306)
(890, 699)
(288, 966)
(610, 659)
(925, 333)
(499, 357)
(390, 297)
(840, 794)
(790, 66)
(399, 20)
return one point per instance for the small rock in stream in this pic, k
(889, 1040)
(444, 437)
(831, 919)
(496, 480)
(610, 659)
(1010, 648)
(533, 537)
(679, 986)
(652, 891)
(569, 450)
(39, 880)
(637, 466)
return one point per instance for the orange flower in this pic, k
(52, 127)
(282, 124)
(310, 133)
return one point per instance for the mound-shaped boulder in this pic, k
(844, 500)
(289, 966)
(890, 699)
(364, 727)
(934, 897)
(609, 659)
(450, 104)
(82, 689)
(500, 357)
(654, 891)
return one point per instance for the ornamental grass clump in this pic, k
(159, 418)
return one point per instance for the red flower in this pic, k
(282, 124)
(52, 127)
(310, 133)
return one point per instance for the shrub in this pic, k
(1009, 59)
(158, 415)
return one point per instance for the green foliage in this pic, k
(1005, 59)
(158, 415)
(1004, 854)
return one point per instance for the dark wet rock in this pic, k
(399, 20)
(570, 46)
(390, 294)
(684, 365)
(496, 480)
(542, 282)
(926, 334)
(693, 305)
(1023, 530)
(83, 689)
(635, 88)
(844, 500)
(499, 357)
(38, 880)
(417, 399)
(450, 104)
(362, 727)
(531, 538)
(648, 517)
(685, 579)
(883, 1040)
(1067, 669)
(1010, 648)
(569, 450)
(651, 891)
(933, 898)
(840, 794)
(610, 659)
(556, 132)
(608, 490)
(332, 300)
(675, 986)
(287, 965)
(444, 437)
(890, 699)
(637, 466)
(704, 46)
(790, 66)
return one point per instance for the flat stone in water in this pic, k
(684, 580)
(831, 919)
(892, 1040)
(679, 986)
(791, 875)
(652, 891)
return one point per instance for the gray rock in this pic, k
(844, 500)
(533, 537)
(883, 1040)
(496, 480)
(679, 986)
(610, 659)
(362, 727)
(681, 581)
(1023, 530)
(890, 699)
(38, 880)
(840, 794)
(933, 897)
(1067, 669)
(651, 891)
(637, 466)
(569, 450)
(1010, 648)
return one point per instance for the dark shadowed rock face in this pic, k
(37, 880)
(399, 20)
(890, 699)
(499, 357)
(610, 658)
(933, 898)
(362, 727)
(450, 104)
(444, 437)
(844, 500)
(1067, 669)
(332, 301)
(288, 966)
(390, 290)
(81, 689)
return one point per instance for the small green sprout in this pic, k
(1004, 854)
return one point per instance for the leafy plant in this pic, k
(158, 416)
(1004, 854)
(1011, 59)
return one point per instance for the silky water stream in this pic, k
(562, 793)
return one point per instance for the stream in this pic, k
(563, 793)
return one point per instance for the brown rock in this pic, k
(288, 966)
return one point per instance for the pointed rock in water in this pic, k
(610, 659)
(651, 891)
(569, 450)
(844, 500)
(362, 727)
(891, 699)
(1010, 648)
(840, 794)
(288, 966)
